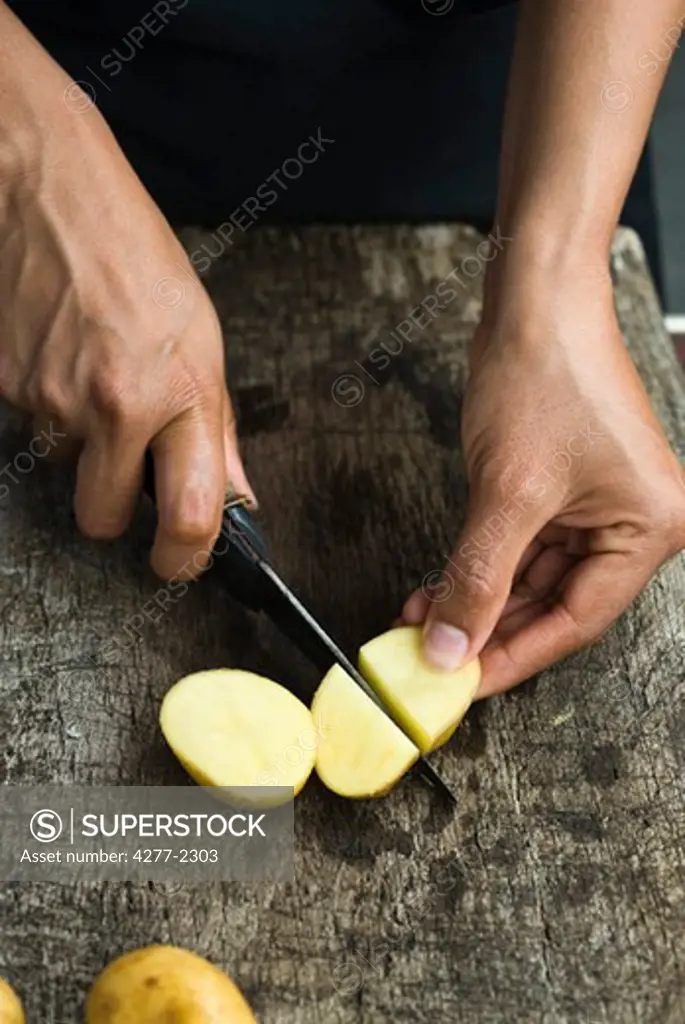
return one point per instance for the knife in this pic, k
(250, 577)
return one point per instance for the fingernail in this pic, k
(242, 489)
(237, 479)
(444, 646)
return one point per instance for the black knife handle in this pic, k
(239, 543)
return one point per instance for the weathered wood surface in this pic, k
(568, 906)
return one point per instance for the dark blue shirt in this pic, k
(210, 98)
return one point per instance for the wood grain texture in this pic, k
(556, 893)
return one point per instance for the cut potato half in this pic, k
(361, 752)
(232, 729)
(428, 703)
(161, 984)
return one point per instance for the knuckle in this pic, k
(115, 393)
(116, 383)
(98, 527)
(584, 631)
(199, 386)
(476, 580)
(499, 473)
(46, 394)
(195, 527)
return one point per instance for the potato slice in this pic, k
(160, 984)
(361, 752)
(232, 728)
(429, 704)
(11, 1011)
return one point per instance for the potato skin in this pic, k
(159, 984)
(11, 1011)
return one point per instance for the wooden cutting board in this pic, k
(566, 900)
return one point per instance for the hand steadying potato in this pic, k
(576, 498)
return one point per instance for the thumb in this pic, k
(468, 599)
(236, 476)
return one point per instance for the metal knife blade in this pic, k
(295, 620)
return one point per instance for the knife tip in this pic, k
(429, 773)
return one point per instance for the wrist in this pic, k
(541, 260)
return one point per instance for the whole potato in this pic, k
(160, 984)
(11, 1011)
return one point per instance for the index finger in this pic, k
(190, 486)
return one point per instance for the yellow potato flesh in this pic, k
(361, 752)
(232, 728)
(11, 1011)
(428, 703)
(161, 984)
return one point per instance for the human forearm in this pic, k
(583, 89)
(542, 569)
(27, 76)
(36, 125)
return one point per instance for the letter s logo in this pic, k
(46, 826)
